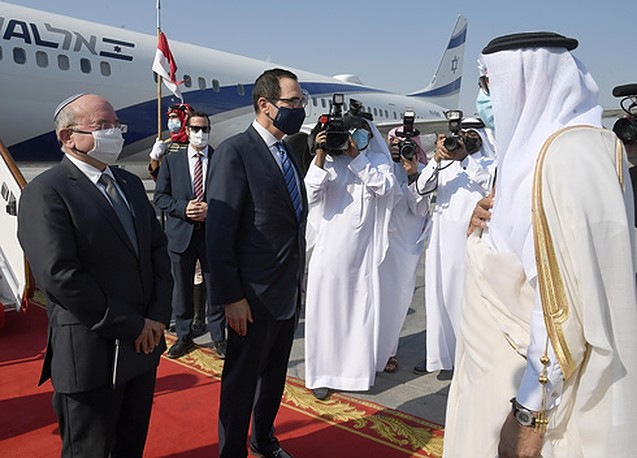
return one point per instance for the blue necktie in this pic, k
(290, 179)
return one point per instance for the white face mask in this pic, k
(108, 145)
(198, 139)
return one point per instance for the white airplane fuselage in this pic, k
(45, 58)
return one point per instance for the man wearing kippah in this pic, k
(546, 360)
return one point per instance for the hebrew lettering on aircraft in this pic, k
(52, 37)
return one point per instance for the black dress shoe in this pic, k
(198, 329)
(180, 348)
(421, 368)
(219, 347)
(278, 453)
(321, 393)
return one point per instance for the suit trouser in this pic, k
(106, 422)
(253, 375)
(183, 270)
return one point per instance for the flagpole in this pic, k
(158, 8)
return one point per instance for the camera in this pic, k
(626, 128)
(338, 125)
(470, 138)
(407, 148)
(453, 139)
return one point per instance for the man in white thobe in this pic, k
(454, 181)
(548, 321)
(406, 241)
(350, 200)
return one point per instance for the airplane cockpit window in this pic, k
(215, 85)
(202, 82)
(19, 55)
(63, 62)
(105, 68)
(85, 65)
(241, 90)
(187, 81)
(42, 59)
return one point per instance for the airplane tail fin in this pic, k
(444, 88)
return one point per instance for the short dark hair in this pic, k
(197, 114)
(267, 85)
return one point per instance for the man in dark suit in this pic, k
(98, 254)
(181, 193)
(257, 211)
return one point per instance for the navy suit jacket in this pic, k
(252, 229)
(97, 287)
(173, 191)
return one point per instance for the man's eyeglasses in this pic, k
(483, 83)
(103, 126)
(205, 129)
(295, 102)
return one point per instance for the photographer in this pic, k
(350, 188)
(406, 241)
(626, 129)
(457, 177)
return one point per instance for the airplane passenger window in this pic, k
(241, 90)
(395, 115)
(187, 81)
(215, 85)
(105, 68)
(375, 112)
(314, 102)
(63, 62)
(42, 59)
(0, 52)
(323, 103)
(19, 55)
(202, 82)
(85, 65)
(386, 114)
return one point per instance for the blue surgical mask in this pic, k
(289, 120)
(174, 125)
(485, 109)
(361, 137)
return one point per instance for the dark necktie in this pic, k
(198, 179)
(290, 179)
(120, 207)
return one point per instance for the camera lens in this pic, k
(408, 149)
(626, 130)
(452, 142)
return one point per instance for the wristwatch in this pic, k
(522, 415)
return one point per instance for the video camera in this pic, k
(408, 148)
(338, 125)
(457, 135)
(626, 128)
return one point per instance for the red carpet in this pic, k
(184, 419)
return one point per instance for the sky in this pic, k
(393, 45)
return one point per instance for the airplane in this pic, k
(46, 57)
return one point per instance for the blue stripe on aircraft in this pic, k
(458, 40)
(142, 117)
(448, 89)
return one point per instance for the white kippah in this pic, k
(66, 102)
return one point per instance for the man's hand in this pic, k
(443, 153)
(518, 441)
(320, 149)
(411, 167)
(150, 336)
(196, 210)
(481, 214)
(237, 315)
(159, 148)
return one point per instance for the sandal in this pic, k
(392, 365)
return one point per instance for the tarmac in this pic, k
(424, 396)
